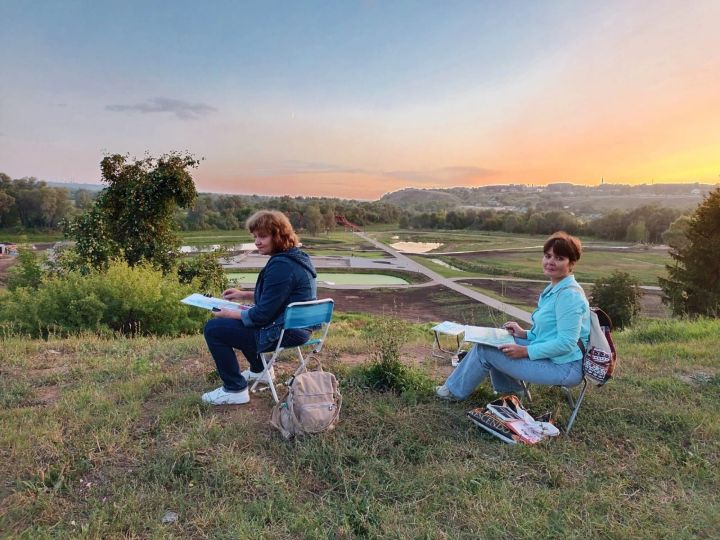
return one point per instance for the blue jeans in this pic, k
(506, 373)
(225, 335)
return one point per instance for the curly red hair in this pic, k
(275, 224)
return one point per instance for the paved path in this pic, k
(408, 263)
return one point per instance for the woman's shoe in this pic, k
(220, 396)
(443, 392)
(251, 376)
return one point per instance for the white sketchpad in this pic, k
(495, 337)
(207, 302)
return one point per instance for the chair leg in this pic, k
(267, 365)
(302, 358)
(576, 407)
(526, 389)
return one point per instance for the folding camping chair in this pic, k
(573, 401)
(315, 315)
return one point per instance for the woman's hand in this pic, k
(514, 329)
(236, 294)
(224, 313)
(514, 351)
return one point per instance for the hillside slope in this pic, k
(102, 437)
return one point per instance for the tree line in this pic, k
(30, 204)
(644, 224)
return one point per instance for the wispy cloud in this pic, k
(182, 109)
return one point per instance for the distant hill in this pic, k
(74, 186)
(581, 200)
(413, 197)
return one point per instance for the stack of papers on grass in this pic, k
(506, 419)
(207, 302)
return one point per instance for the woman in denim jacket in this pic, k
(289, 276)
(546, 354)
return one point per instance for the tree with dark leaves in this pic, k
(693, 283)
(133, 218)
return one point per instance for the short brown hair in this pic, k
(561, 243)
(275, 224)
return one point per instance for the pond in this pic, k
(446, 265)
(249, 278)
(215, 247)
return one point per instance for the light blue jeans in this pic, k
(506, 373)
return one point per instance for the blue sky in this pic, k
(355, 99)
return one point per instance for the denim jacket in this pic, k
(289, 276)
(561, 318)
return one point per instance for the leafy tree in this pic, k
(637, 232)
(313, 219)
(676, 235)
(693, 283)
(619, 296)
(134, 216)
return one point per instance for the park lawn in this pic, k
(30, 236)
(645, 266)
(99, 438)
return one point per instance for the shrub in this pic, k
(27, 272)
(619, 296)
(205, 271)
(385, 337)
(137, 300)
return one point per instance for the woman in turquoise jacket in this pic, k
(546, 354)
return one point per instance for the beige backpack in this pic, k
(311, 404)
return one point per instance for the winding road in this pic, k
(437, 279)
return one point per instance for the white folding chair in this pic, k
(315, 315)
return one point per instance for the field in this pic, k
(101, 438)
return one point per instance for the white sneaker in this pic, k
(251, 376)
(443, 392)
(221, 397)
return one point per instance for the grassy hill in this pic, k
(99, 438)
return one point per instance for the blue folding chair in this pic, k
(315, 315)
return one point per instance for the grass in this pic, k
(29, 236)
(99, 438)
(645, 266)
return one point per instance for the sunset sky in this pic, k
(358, 98)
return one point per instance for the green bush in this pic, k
(27, 272)
(206, 270)
(128, 300)
(619, 296)
(385, 337)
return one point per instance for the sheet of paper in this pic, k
(206, 302)
(488, 336)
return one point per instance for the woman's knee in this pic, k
(210, 328)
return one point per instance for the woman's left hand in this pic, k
(514, 351)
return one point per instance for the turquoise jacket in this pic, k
(561, 318)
